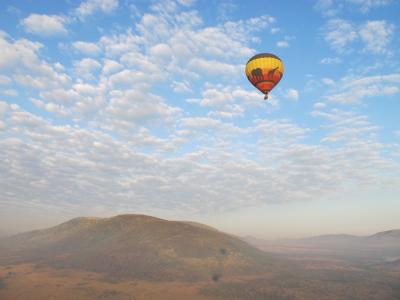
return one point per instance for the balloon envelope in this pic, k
(264, 71)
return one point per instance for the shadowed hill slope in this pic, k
(136, 246)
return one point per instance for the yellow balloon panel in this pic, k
(264, 63)
(264, 71)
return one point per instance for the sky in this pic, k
(122, 106)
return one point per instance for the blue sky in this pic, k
(117, 106)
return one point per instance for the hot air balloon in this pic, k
(264, 71)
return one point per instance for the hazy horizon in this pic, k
(280, 225)
(110, 107)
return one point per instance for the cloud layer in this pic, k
(157, 115)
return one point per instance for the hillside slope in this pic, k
(136, 246)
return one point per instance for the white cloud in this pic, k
(214, 67)
(86, 48)
(319, 105)
(348, 127)
(86, 67)
(89, 7)
(5, 80)
(200, 123)
(282, 44)
(331, 8)
(187, 2)
(292, 94)
(328, 81)
(127, 143)
(227, 101)
(61, 96)
(76, 103)
(215, 176)
(328, 7)
(111, 66)
(339, 33)
(285, 42)
(366, 5)
(354, 90)
(45, 25)
(376, 35)
(274, 30)
(368, 80)
(290, 133)
(161, 52)
(4, 108)
(136, 107)
(181, 86)
(175, 43)
(216, 96)
(226, 9)
(229, 111)
(9, 92)
(331, 60)
(85, 88)
(128, 79)
(21, 61)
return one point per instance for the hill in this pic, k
(136, 246)
(370, 249)
(395, 233)
(142, 257)
(337, 238)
